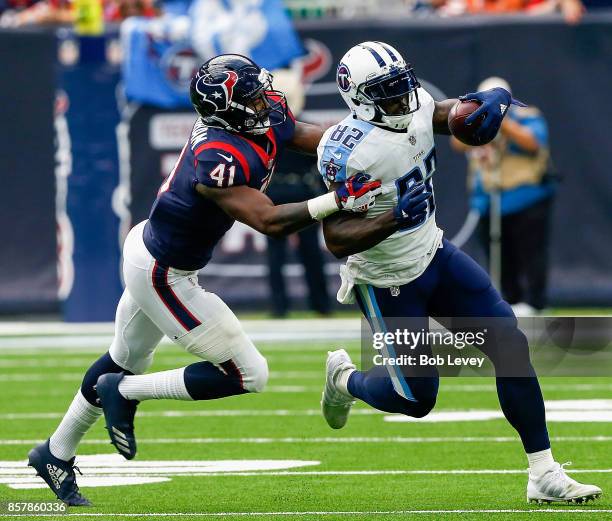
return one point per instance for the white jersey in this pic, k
(398, 160)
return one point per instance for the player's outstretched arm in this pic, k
(306, 138)
(346, 234)
(440, 116)
(257, 210)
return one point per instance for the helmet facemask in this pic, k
(254, 113)
(393, 96)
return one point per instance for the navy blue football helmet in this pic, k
(232, 92)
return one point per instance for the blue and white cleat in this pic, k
(555, 486)
(336, 403)
(119, 414)
(58, 475)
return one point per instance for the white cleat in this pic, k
(555, 486)
(336, 403)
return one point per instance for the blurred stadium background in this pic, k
(95, 113)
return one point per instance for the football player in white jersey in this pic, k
(399, 264)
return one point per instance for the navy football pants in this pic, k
(453, 285)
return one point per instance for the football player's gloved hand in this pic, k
(411, 209)
(357, 194)
(494, 104)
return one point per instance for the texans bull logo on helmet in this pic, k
(219, 95)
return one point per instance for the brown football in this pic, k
(456, 122)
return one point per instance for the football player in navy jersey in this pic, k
(220, 177)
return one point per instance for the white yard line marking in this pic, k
(98, 468)
(40, 362)
(568, 410)
(250, 326)
(104, 341)
(588, 415)
(9, 360)
(459, 472)
(40, 377)
(60, 335)
(468, 388)
(83, 363)
(315, 440)
(569, 510)
(173, 358)
(77, 377)
(476, 388)
(194, 414)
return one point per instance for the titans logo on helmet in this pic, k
(343, 76)
(219, 95)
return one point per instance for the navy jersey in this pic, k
(184, 226)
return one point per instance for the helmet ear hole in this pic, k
(365, 112)
(356, 101)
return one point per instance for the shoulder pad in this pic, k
(336, 152)
(426, 100)
(221, 164)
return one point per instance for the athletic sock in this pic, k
(540, 462)
(342, 382)
(155, 386)
(79, 418)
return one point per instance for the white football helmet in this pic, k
(378, 85)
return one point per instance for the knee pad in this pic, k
(219, 337)
(133, 359)
(104, 364)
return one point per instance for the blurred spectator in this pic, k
(296, 179)
(117, 10)
(516, 163)
(572, 10)
(20, 13)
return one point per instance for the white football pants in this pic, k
(161, 301)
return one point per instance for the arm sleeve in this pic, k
(219, 168)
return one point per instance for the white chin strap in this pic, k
(397, 122)
(258, 130)
(368, 112)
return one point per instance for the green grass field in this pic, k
(372, 469)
